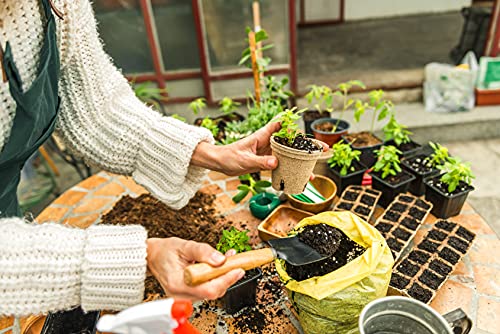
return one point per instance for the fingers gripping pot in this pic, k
(332, 303)
(294, 167)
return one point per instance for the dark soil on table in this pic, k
(300, 143)
(419, 164)
(362, 139)
(327, 240)
(197, 221)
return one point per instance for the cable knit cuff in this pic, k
(114, 267)
(163, 164)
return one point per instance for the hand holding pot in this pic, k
(168, 257)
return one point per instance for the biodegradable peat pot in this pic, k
(294, 167)
(391, 186)
(416, 166)
(367, 143)
(322, 130)
(352, 178)
(445, 204)
(309, 116)
(242, 293)
(408, 149)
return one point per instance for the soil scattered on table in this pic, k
(197, 221)
(329, 241)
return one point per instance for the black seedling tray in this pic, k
(359, 200)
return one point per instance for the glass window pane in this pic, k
(177, 34)
(225, 23)
(120, 21)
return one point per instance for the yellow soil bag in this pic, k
(332, 303)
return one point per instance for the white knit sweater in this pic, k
(50, 267)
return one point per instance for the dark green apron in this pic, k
(35, 118)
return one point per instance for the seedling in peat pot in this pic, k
(289, 127)
(343, 157)
(255, 187)
(388, 161)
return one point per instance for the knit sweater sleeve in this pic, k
(103, 121)
(50, 267)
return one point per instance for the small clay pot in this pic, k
(327, 136)
(294, 167)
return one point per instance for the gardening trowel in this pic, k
(289, 249)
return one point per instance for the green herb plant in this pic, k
(197, 105)
(455, 172)
(289, 127)
(379, 107)
(234, 239)
(149, 94)
(209, 124)
(343, 156)
(255, 187)
(324, 97)
(388, 161)
(397, 132)
(178, 117)
(439, 157)
(227, 105)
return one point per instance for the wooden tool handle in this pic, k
(201, 272)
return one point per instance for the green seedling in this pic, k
(379, 107)
(179, 117)
(255, 187)
(289, 127)
(197, 105)
(227, 105)
(343, 156)
(209, 124)
(262, 62)
(455, 172)
(149, 94)
(397, 132)
(388, 161)
(439, 157)
(324, 97)
(234, 239)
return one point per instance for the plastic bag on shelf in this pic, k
(449, 88)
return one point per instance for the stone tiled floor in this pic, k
(474, 285)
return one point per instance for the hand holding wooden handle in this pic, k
(201, 272)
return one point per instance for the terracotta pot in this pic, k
(330, 137)
(294, 167)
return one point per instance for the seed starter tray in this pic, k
(359, 200)
(426, 268)
(401, 220)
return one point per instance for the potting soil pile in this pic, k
(358, 272)
(197, 221)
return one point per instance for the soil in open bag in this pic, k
(333, 302)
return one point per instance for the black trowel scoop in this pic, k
(289, 249)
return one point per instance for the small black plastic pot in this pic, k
(367, 157)
(444, 205)
(390, 191)
(309, 116)
(242, 293)
(409, 149)
(353, 178)
(71, 321)
(417, 186)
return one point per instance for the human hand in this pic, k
(168, 257)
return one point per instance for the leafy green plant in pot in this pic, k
(387, 175)
(242, 293)
(448, 191)
(423, 166)
(330, 130)
(345, 167)
(398, 135)
(296, 154)
(366, 141)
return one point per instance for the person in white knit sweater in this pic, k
(47, 267)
